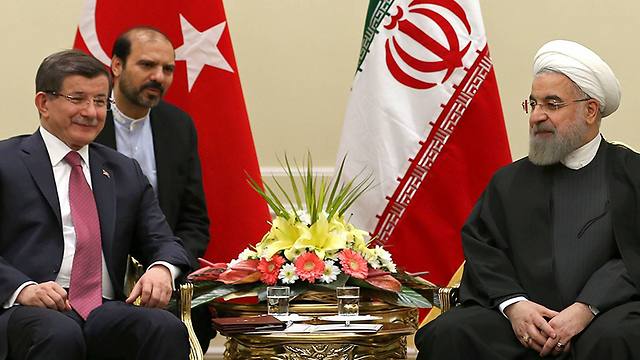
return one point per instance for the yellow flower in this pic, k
(322, 238)
(283, 234)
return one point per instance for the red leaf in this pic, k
(209, 272)
(383, 280)
(242, 272)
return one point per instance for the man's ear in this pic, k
(116, 66)
(42, 104)
(592, 111)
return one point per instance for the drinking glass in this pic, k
(278, 300)
(348, 300)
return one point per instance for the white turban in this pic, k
(584, 68)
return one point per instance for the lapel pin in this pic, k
(106, 173)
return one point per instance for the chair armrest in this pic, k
(133, 273)
(448, 297)
(183, 298)
(184, 307)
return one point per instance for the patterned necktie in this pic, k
(85, 290)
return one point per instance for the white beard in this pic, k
(555, 148)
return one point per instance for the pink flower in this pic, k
(309, 267)
(270, 269)
(353, 264)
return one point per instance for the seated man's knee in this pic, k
(459, 332)
(68, 337)
(164, 323)
(610, 337)
(45, 332)
(445, 326)
(613, 334)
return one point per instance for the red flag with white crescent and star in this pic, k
(425, 116)
(207, 86)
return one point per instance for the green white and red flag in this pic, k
(207, 86)
(425, 116)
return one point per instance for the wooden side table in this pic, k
(388, 343)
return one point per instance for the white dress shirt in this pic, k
(134, 138)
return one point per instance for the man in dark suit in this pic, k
(552, 245)
(70, 213)
(163, 139)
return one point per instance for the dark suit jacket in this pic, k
(180, 190)
(31, 241)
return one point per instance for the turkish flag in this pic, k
(207, 86)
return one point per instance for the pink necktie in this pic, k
(85, 290)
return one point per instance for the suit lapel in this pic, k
(36, 159)
(162, 137)
(104, 194)
(108, 134)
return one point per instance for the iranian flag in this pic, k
(207, 86)
(424, 115)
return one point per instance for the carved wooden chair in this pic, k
(183, 300)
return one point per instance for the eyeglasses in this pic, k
(100, 102)
(548, 107)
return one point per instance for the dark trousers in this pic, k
(474, 332)
(115, 330)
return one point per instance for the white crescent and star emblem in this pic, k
(199, 48)
(89, 33)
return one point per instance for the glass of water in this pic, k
(278, 300)
(348, 300)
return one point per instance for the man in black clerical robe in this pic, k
(552, 247)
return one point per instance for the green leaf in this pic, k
(287, 197)
(408, 297)
(274, 198)
(222, 290)
(292, 180)
(272, 203)
(212, 294)
(334, 188)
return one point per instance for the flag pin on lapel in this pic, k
(106, 173)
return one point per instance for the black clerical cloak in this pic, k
(506, 245)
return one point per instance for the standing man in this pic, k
(162, 138)
(552, 247)
(70, 213)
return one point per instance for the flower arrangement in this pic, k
(311, 246)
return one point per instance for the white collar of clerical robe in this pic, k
(583, 155)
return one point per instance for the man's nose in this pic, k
(157, 74)
(537, 115)
(90, 109)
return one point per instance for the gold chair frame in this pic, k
(183, 298)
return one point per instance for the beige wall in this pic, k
(296, 60)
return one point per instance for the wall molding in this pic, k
(277, 171)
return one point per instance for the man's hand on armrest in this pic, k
(154, 288)
(48, 295)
